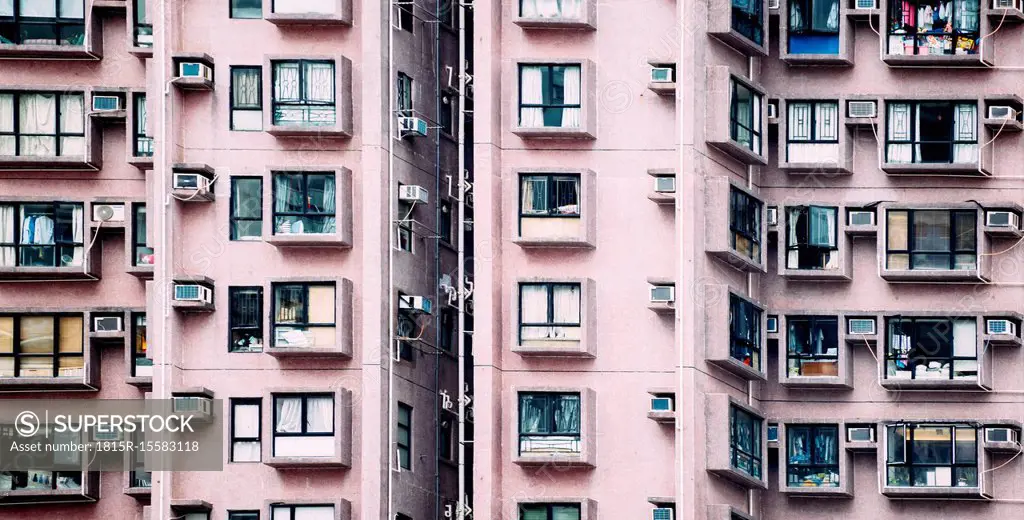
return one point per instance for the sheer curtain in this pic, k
(320, 414)
(567, 415)
(965, 127)
(826, 18)
(329, 225)
(71, 8)
(534, 302)
(77, 230)
(37, 115)
(572, 86)
(7, 142)
(823, 226)
(289, 414)
(72, 121)
(246, 424)
(531, 414)
(535, 195)
(531, 93)
(566, 309)
(44, 8)
(899, 130)
(965, 338)
(792, 255)
(7, 236)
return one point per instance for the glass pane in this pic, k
(533, 414)
(288, 193)
(826, 446)
(965, 230)
(932, 445)
(321, 304)
(931, 231)
(896, 443)
(71, 334)
(799, 445)
(290, 302)
(966, 446)
(36, 367)
(288, 413)
(247, 198)
(36, 334)
(246, 8)
(897, 230)
(6, 334)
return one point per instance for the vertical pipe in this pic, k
(461, 249)
(437, 258)
(389, 89)
(160, 196)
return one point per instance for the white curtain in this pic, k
(72, 121)
(899, 130)
(571, 116)
(7, 142)
(567, 415)
(534, 302)
(531, 86)
(329, 205)
(566, 304)
(965, 127)
(289, 414)
(531, 412)
(37, 115)
(320, 414)
(7, 236)
(792, 255)
(6, 7)
(965, 338)
(77, 232)
(246, 422)
(286, 82)
(319, 82)
(314, 513)
(42, 8)
(71, 8)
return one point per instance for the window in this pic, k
(446, 117)
(304, 425)
(141, 365)
(246, 515)
(811, 238)
(446, 329)
(745, 442)
(143, 255)
(446, 439)
(814, 26)
(42, 22)
(813, 453)
(748, 20)
(403, 436)
(42, 124)
(304, 93)
(549, 196)
(745, 332)
(404, 15)
(813, 132)
(48, 234)
(931, 348)
(549, 511)
(444, 221)
(303, 512)
(247, 208)
(404, 236)
(304, 315)
(247, 97)
(745, 114)
(44, 345)
(549, 311)
(409, 329)
(142, 145)
(245, 430)
(303, 6)
(558, 9)
(745, 224)
(813, 345)
(143, 30)
(931, 240)
(549, 96)
(930, 27)
(931, 455)
(304, 203)
(935, 132)
(245, 319)
(67, 465)
(549, 423)
(403, 95)
(247, 9)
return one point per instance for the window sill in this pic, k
(139, 492)
(946, 60)
(739, 152)
(142, 163)
(741, 478)
(109, 115)
(863, 15)
(665, 199)
(1002, 340)
(192, 83)
(842, 491)
(109, 4)
(304, 130)
(736, 367)
(542, 242)
(667, 308)
(108, 336)
(554, 23)
(861, 230)
(557, 459)
(45, 496)
(554, 133)
(837, 275)
(1002, 232)
(42, 274)
(935, 169)
(553, 348)
(144, 272)
(286, 352)
(663, 88)
(49, 163)
(140, 382)
(183, 195)
(934, 492)
(306, 462)
(663, 417)
(1003, 125)
(835, 60)
(192, 306)
(738, 41)
(934, 276)
(838, 382)
(46, 384)
(832, 167)
(309, 240)
(897, 384)
(863, 446)
(53, 52)
(289, 19)
(739, 261)
(141, 52)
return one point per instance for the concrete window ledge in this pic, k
(88, 493)
(717, 412)
(586, 457)
(586, 19)
(342, 457)
(340, 239)
(341, 15)
(844, 458)
(342, 507)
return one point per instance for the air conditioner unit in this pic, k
(193, 69)
(108, 212)
(663, 293)
(106, 103)
(191, 181)
(662, 404)
(773, 4)
(861, 109)
(865, 4)
(1002, 111)
(663, 513)
(772, 325)
(1007, 219)
(860, 434)
(773, 216)
(1001, 434)
(415, 304)
(412, 126)
(1006, 4)
(773, 433)
(1000, 327)
(412, 193)
(665, 184)
(110, 436)
(107, 323)
(860, 326)
(196, 405)
(773, 110)
(193, 293)
(663, 75)
(860, 218)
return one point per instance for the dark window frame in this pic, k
(552, 180)
(756, 440)
(232, 14)
(57, 246)
(895, 15)
(915, 142)
(292, 507)
(807, 8)
(274, 434)
(233, 218)
(405, 15)
(231, 94)
(550, 289)
(446, 329)
(58, 133)
(797, 469)
(139, 24)
(447, 440)
(551, 94)
(813, 106)
(139, 127)
(549, 508)
(756, 141)
(58, 23)
(549, 417)
(446, 118)
(954, 234)
(301, 103)
(139, 244)
(404, 99)
(808, 248)
(305, 213)
(400, 446)
(942, 330)
(741, 347)
(250, 514)
(749, 22)
(136, 354)
(745, 221)
(232, 438)
(305, 306)
(233, 319)
(55, 354)
(812, 323)
(445, 215)
(908, 454)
